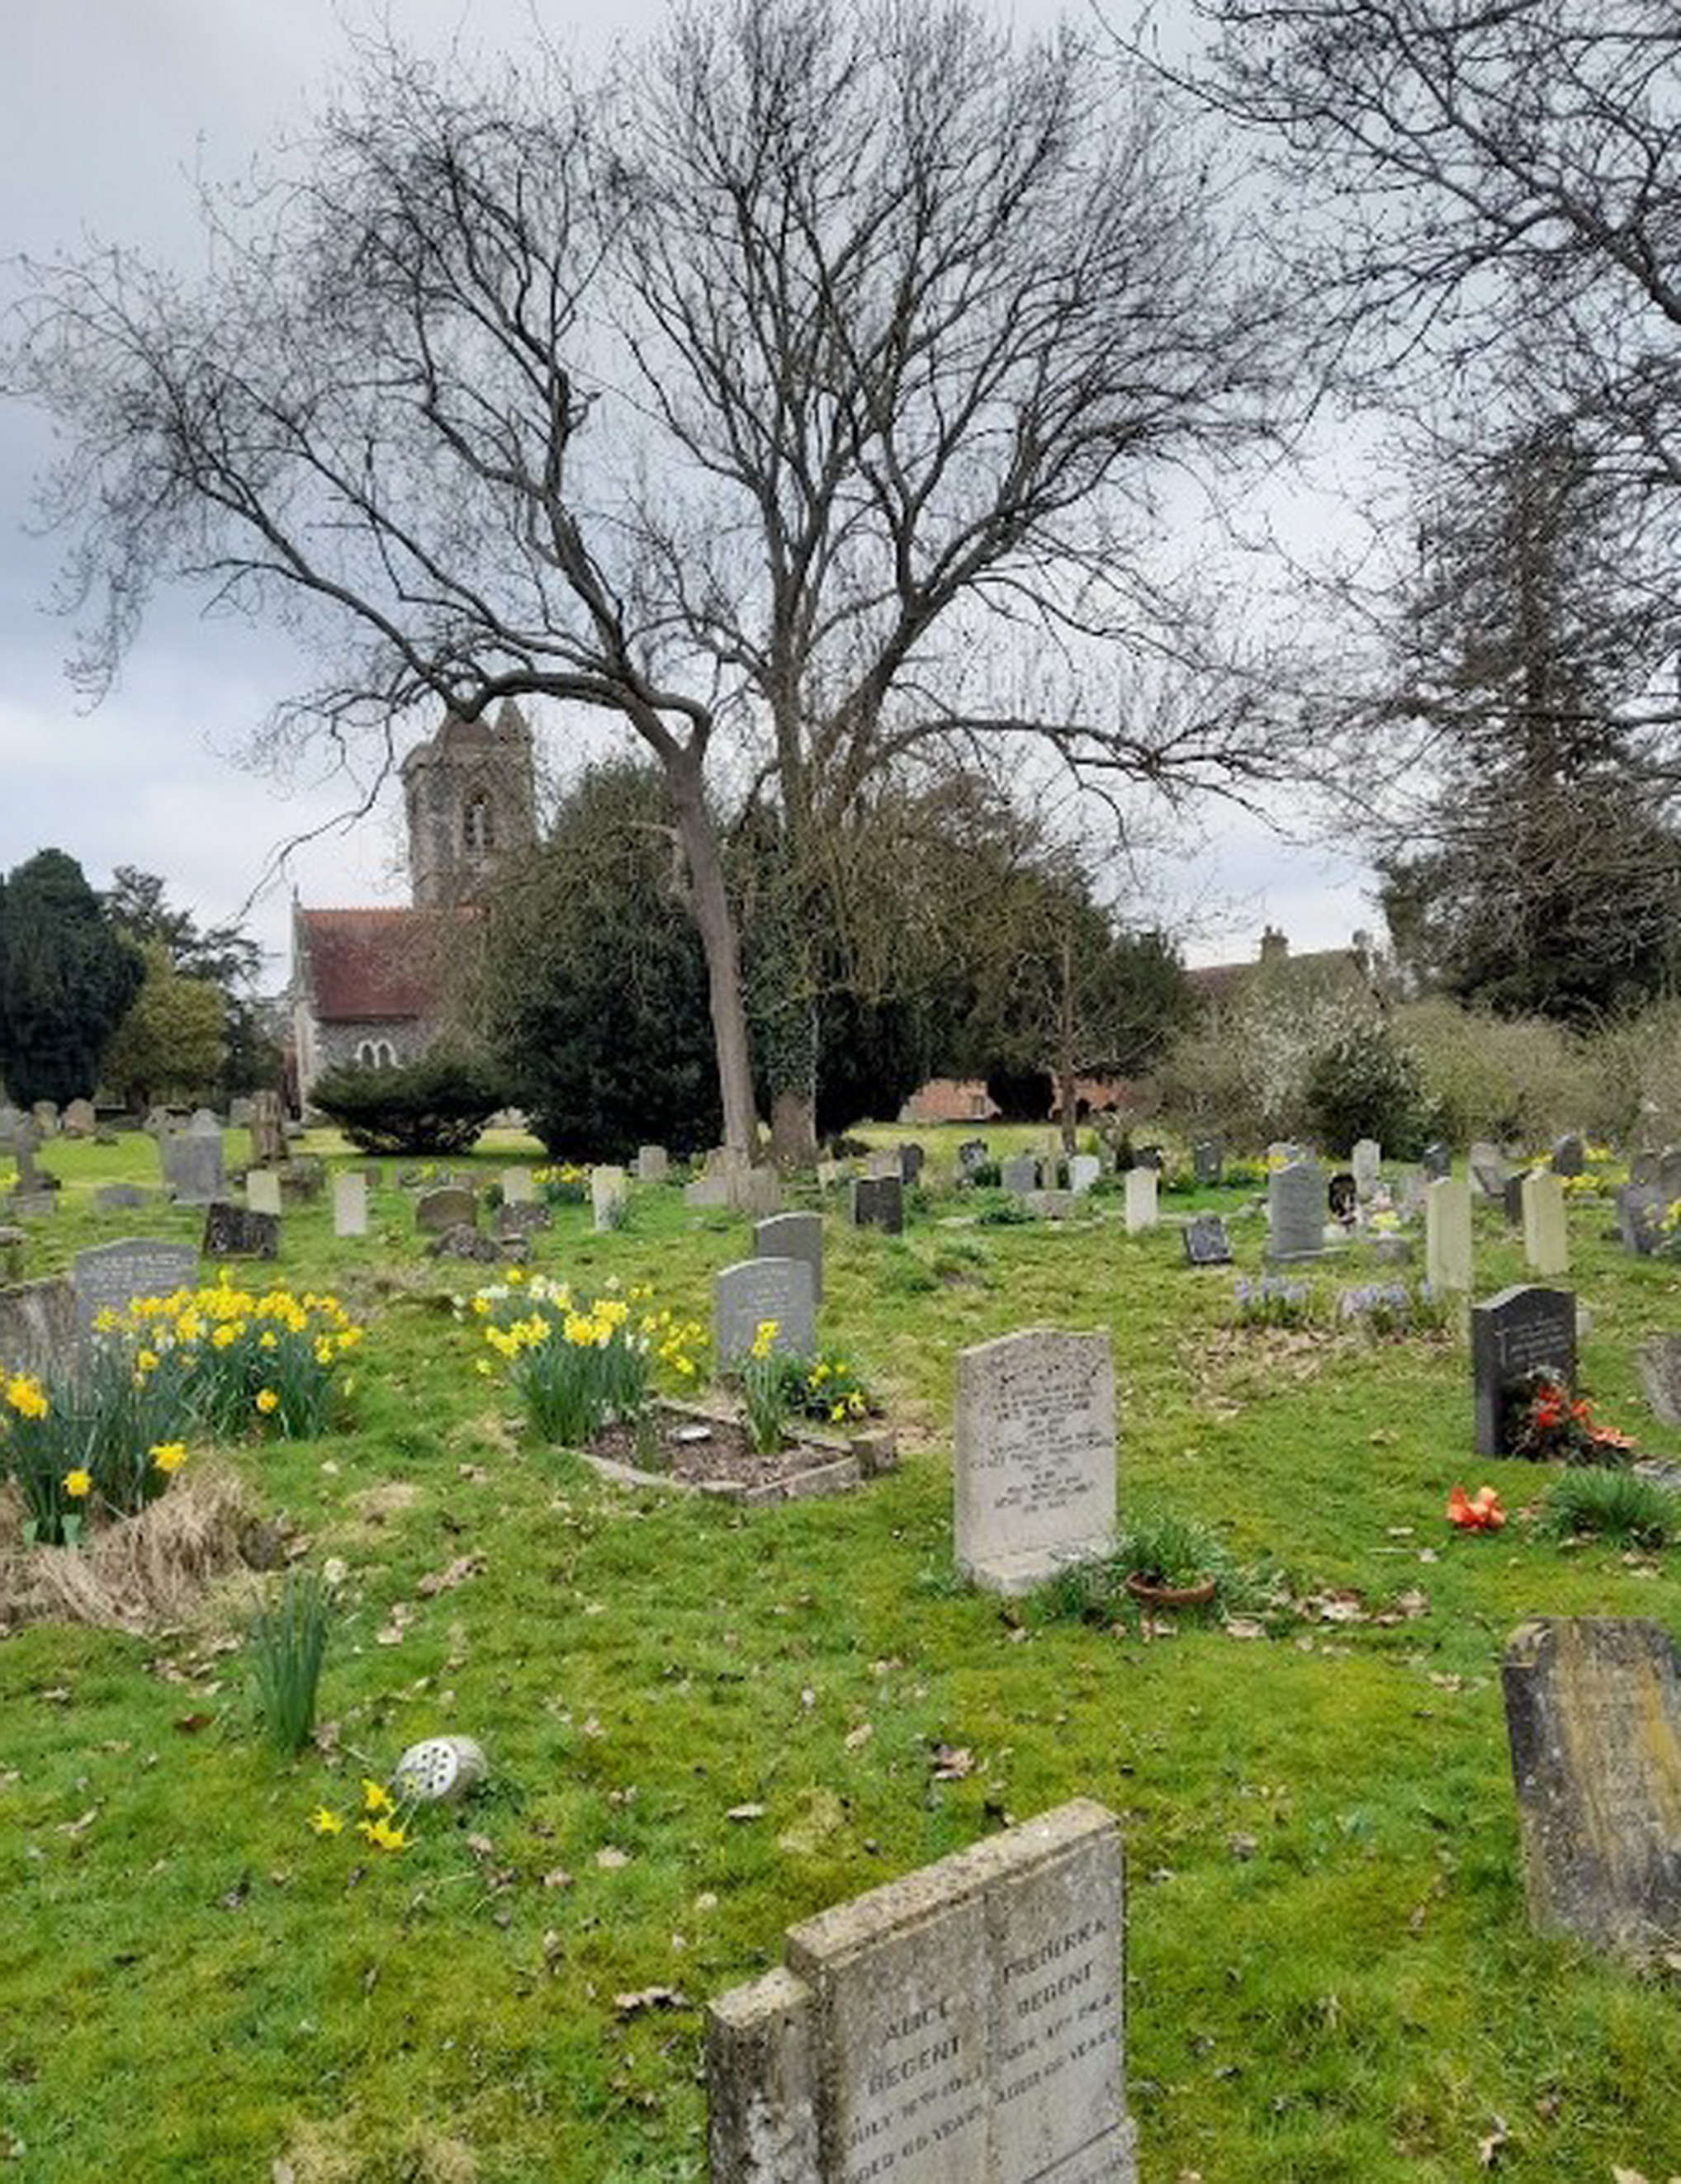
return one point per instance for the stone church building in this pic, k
(375, 986)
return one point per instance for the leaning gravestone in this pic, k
(1488, 1166)
(1033, 1456)
(1208, 1163)
(110, 1276)
(1658, 1359)
(1447, 1235)
(1570, 1154)
(451, 1207)
(1546, 1234)
(38, 1327)
(1593, 1707)
(1295, 1211)
(1364, 1163)
(1206, 1242)
(793, 1236)
(193, 1165)
(262, 1190)
(1519, 1331)
(240, 1232)
(753, 1292)
(878, 1201)
(653, 1163)
(1639, 1218)
(961, 2025)
(609, 1196)
(1018, 1174)
(1142, 1209)
(349, 1203)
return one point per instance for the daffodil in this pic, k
(267, 1401)
(168, 1455)
(78, 1485)
(326, 1822)
(376, 1797)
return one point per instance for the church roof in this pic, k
(375, 966)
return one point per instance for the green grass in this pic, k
(1329, 1975)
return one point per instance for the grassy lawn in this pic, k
(1329, 1975)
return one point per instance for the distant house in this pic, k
(377, 987)
(1328, 970)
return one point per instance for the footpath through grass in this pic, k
(1329, 1975)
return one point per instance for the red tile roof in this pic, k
(376, 966)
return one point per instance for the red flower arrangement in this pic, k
(1481, 1512)
(1548, 1425)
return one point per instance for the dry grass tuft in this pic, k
(136, 1574)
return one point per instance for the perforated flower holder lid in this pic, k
(439, 1769)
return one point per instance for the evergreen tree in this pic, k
(66, 979)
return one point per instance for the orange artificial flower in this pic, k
(1479, 1512)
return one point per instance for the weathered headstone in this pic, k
(1640, 1217)
(755, 1191)
(1642, 1167)
(1436, 1160)
(25, 1139)
(1364, 1163)
(1142, 1210)
(830, 1173)
(1295, 1211)
(707, 1192)
(609, 1196)
(1489, 1169)
(520, 1222)
(268, 1128)
(1546, 1234)
(1150, 1157)
(1593, 1707)
(120, 1197)
(78, 1120)
(464, 1240)
(1019, 1172)
(878, 1201)
(303, 1179)
(205, 1121)
(1208, 1163)
(793, 1236)
(912, 1158)
(108, 1277)
(1447, 1235)
(350, 1202)
(240, 1109)
(1083, 1171)
(1206, 1242)
(193, 1165)
(754, 1290)
(1570, 1154)
(1047, 1205)
(653, 1164)
(519, 1187)
(971, 1154)
(961, 2025)
(450, 1207)
(46, 1114)
(1669, 1174)
(10, 1117)
(1519, 1331)
(1658, 1359)
(262, 1190)
(240, 1232)
(1511, 1198)
(1033, 1456)
(886, 1161)
(38, 1327)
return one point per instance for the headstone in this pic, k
(793, 1236)
(262, 1190)
(754, 1290)
(1150, 1157)
(1033, 1456)
(609, 1196)
(961, 2025)
(1208, 1163)
(1488, 1168)
(1436, 1160)
(971, 1154)
(1083, 1171)
(829, 1172)
(1640, 1217)
(1593, 1707)
(885, 1162)
(1669, 1174)
(80, 1120)
(240, 1232)
(1512, 1199)
(240, 1109)
(1570, 1154)
(465, 1241)
(192, 1166)
(108, 1277)
(1658, 1359)
(350, 1202)
(1141, 1209)
(1047, 1205)
(46, 1114)
(1642, 1167)
(879, 1202)
(26, 1138)
(707, 1191)
(120, 1197)
(1206, 1242)
(1342, 1197)
(1366, 1161)
(38, 1327)
(519, 1187)
(1410, 1186)
(1295, 1211)
(912, 1158)
(205, 1123)
(10, 1117)
(755, 1191)
(1518, 1332)
(1447, 1236)
(303, 1180)
(268, 1128)
(1019, 1172)
(521, 1221)
(1546, 1234)
(653, 1164)
(450, 1207)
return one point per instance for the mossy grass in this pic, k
(1331, 1976)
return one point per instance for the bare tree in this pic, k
(765, 400)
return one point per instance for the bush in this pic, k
(1499, 1078)
(437, 1105)
(1610, 1505)
(1366, 1084)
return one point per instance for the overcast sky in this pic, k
(113, 108)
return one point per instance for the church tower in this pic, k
(471, 798)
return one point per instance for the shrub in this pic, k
(1366, 1082)
(1494, 1076)
(437, 1105)
(1610, 1505)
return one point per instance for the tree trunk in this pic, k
(709, 902)
(1068, 1097)
(793, 1130)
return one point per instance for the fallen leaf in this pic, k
(1488, 2149)
(557, 1877)
(952, 1762)
(446, 1580)
(856, 1738)
(650, 1997)
(746, 1813)
(610, 1857)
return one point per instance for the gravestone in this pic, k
(240, 1109)
(1342, 1197)
(80, 1120)
(268, 1128)
(1083, 1171)
(450, 1207)
(963, 2024)
(193, 1165)
(755, 1290)
(205, 1123)
(793, 1236)
(1019, 1172)
(1519, 1331)
(1033, 1456)
(1643, 1169)
(878, 1201)
(1447, 1236)
(1206, 1242)
(240, 1232)
(1150, 1157)
(1512, 1199)
(1364, 1161)
(1570, 1154)
(519, 1187)
(707, 1192)
(303, 1179)
(1436, 1159)
(349, 1203)
(262, 1190)
(1047, 1205)
(912, 1160)
(1410, 1186)
(829, 1172)
(885, 1162)
(520, 1223)
(25, 1139)
(1658, 1359)
(1639, 1218)
(120, 1197)
(108, 1277)
(1669, 1174)
(609, 1196)
(10, 1117)
(1489, 1169)
(38, 1327)
(1295, 1211)
(755, 1191)
(971, 1154)
(653, 1164)
(1142, 1210)
(465, 1241)
(1593, 1707)
(46, 1114)
(1208, 1163)
(1546, 1234)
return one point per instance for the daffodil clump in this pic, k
(778, 1385)
(385, 1823)
(578, 1362)
(236, 1361)
(764, 1395)
(99, 1439)
(563, 1184)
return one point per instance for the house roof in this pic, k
(375, 966)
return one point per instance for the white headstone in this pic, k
(1033, 1456)
(1546, 1234)
(518, 1188)
(1366, 1161)
(608, 1195)
(653, 1164)
(262, 1190)
(1143, 1186)
(349, 1203)
(1447, 1235)
(1083, 1171)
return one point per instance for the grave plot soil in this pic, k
(726, 1456)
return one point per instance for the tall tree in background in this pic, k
(66, 979)
(222, 958)
(772, 401)
(169, 1044)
